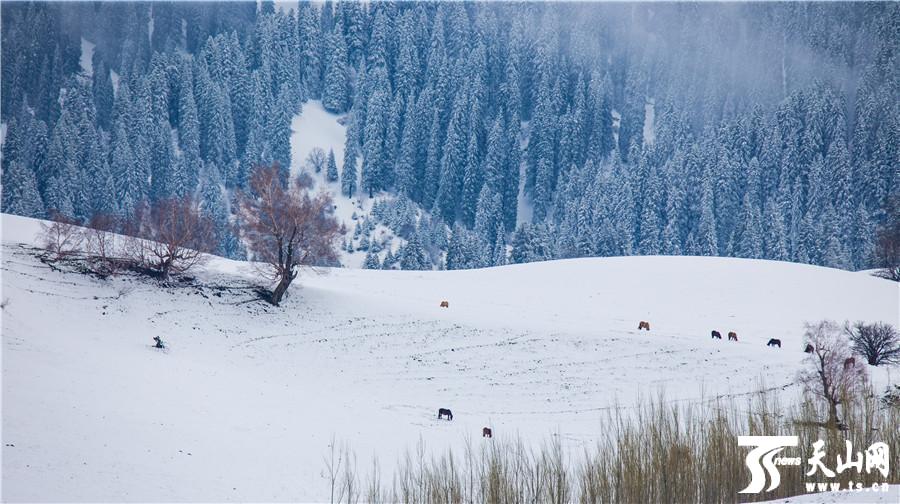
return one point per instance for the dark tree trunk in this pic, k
(280, 289)
(286, 259)
(833, 419)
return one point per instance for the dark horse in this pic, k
(732, 336)
(809, 348)
(716, 335)
(774, 342)
(444, 412)
(486, 432)
(643, 324)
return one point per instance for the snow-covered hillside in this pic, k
(889, 495)
(248, 397)
(314, 127)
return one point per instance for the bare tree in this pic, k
(316, 159)
(341, 468)
(887, 248)
(830, 370)
(170, 236)
(285, 228)
(878, 342)
(101, 244)
(62, 237)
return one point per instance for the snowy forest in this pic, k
(491, 133)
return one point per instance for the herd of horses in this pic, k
(446, 413)
(732, 336)
(643, 324)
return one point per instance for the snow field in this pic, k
(247, 399)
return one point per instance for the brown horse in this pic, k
(643, 324)
(732, 336)
(486, 432)
(445, 304)
(716, 335)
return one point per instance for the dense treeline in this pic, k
(758, 130)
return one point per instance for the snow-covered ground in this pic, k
(115, 80)
(287, 6)
(889, 496)
(649, 125)
(248, 397)
(87, 57)
(315, 127)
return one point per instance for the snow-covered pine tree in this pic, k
(20, 193)
(413, 256)
(331, 171)
(335, 89)
(371, 261)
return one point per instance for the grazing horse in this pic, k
(643, 325)
(445, 304)
(486, 432)
(716, 335)
(849, 362)
(444, 412)
(774, 342)
(732, 336)
(809, 348)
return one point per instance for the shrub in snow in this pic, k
(169, 237)
(62, 236)
(830, 372)
(879, 343)
(315, 161)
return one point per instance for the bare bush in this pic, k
(340, 466)
(62, 237)
(102, 246)
(169, 236)
(831, 372)
(316, 159)
(879, 343)
(655, 451)
(285, 228)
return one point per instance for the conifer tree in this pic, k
(349, 176)
(331, 171)
(371, 261)
(707, 243)
(20, 193)
(335, 88)
(413, 255)
(452, 166)
(375, 155)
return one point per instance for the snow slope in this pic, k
(86, 61)
(315, 127)
(890, 495)
(248, 397)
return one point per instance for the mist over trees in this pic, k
(747, 130)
